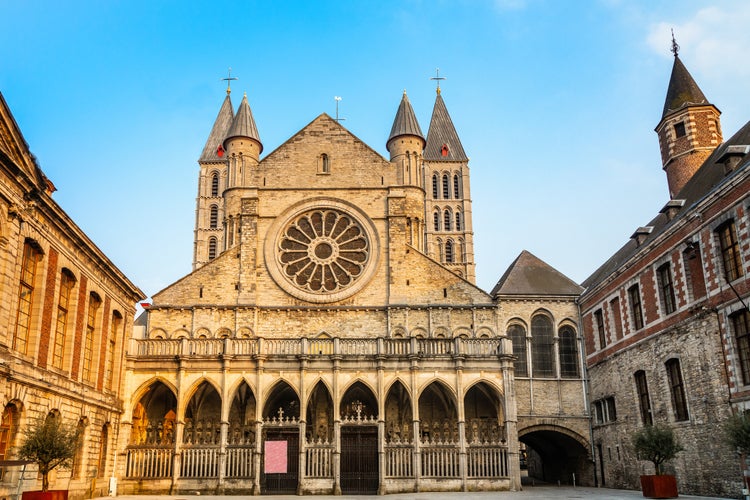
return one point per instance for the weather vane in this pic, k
(675, 47)
(337, 98)
(438, 78)
(229, 79)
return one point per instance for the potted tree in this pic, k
(657, 444)
(737, 433)
(49, 443)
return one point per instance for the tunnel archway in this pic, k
(556, 454)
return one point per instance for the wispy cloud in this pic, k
(717, 38)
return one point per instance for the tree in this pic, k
(50, 443)
(657, 444)
(737, 430)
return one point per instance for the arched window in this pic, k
(436, 220)
(446, 187)
(31, 257)
(456, 186)
(114, 331)
(102, 469)
(325, 167)
(449, 251)
(77, 469)
(459, 225)
(517, 335)
(214, 217)
(67, 280)
(8, 428)
(212, 249)
(215, 184)
(542, 343)
(435, 186)
(447, 220)
(568, 353)
(88, 345)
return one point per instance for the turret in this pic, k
(242, 145)
(690, 128)
(406, 143)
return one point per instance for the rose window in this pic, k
(323, 251)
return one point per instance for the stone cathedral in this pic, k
(331, 338)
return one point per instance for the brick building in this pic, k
(330, 337)
(665, 318)
(65, 313)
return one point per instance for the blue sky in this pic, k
(555, 103)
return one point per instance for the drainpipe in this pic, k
(585, 372)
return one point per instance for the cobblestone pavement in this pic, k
(529, 493)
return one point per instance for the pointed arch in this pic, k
(438, 412)
(282, 401)
(435, 186)
(154, 413)
(242, 414)
(319, 415)
(447, 219)
(358, 401)
(449, 252)
(398, 413)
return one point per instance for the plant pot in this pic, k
(45, 495)
(662, 486)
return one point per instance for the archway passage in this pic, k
(280, 452)
(554, 456)
(359, 441)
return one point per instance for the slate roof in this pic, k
(682, 90)
(442, 132)
(529, 275)
(405, 122)
(218, 132)
(707, 179)
(243, 124)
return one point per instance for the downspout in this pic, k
(585, 372)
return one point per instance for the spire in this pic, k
(243, 124)
(405, 122)
(682, 90)
(218, 132)
(442, 140)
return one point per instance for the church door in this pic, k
(359, 460)
(280, 463)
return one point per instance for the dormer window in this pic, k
(679, 129)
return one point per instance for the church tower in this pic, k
(449, 233)
(243, 149)
(406, 146)
(690, 128)
(212, 178)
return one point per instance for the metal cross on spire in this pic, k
(438, 78)
(675, 48)
(229, 79)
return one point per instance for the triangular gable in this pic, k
(529, 275)
(14, 146)
(323, 118)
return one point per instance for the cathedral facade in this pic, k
(331, 338)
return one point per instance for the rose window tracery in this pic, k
(323, 251)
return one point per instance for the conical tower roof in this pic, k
(218, 132)
(682, 90)
(405, 122)
(243, 124)
(442, 140)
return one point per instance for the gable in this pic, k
(349, 162)
(13, 146)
